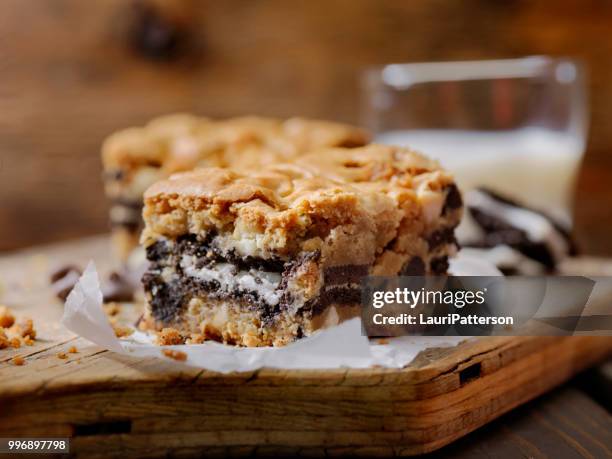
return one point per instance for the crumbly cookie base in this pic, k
(238, 324)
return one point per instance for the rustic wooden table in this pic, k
(117, 406)
(566, 423)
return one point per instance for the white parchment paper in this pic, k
(340, 346)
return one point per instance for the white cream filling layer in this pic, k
(243, 243)
(263, 283)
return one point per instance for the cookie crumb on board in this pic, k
(169, 336)
(176, 355)
(195, 338)
(73, 350)
(121, 331)
(15, 334)
(18, 360)
(4, 342)
(62, 355)
(7, 319)
(25, 327)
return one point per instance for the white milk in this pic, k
(536, 166)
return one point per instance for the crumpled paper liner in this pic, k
(340, 346)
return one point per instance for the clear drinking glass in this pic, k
(517, 126)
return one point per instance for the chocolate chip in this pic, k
(439, 265)
(64, 279)
(414, 267)
(453, 199)
(117, 288)
(441, 236)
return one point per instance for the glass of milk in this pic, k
(517, 126)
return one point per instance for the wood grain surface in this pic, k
(71, 72)
(118, 406)
(566, 423)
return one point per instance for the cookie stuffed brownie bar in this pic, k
(268, 257)
(135, 158)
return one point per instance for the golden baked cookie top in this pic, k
(181, 142)
(278, 184)
(374, 187)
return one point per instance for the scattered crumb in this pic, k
(121, 331)
(4, 342)
(62, 355)
(73, 350)
(18, 360)
(111, 309)
(169, 336)
(25, 328)
(7, 319)
(196, 338)
(383, 341)
(176, 355)
(17, 334)
(250, 340)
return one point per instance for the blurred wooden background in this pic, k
(72, 71)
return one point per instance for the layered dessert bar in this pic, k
(135, 158)
(267, 257)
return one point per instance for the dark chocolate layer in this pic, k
(167, 299)
(334, 295)
(345, 274)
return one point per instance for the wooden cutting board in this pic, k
(118, 406)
